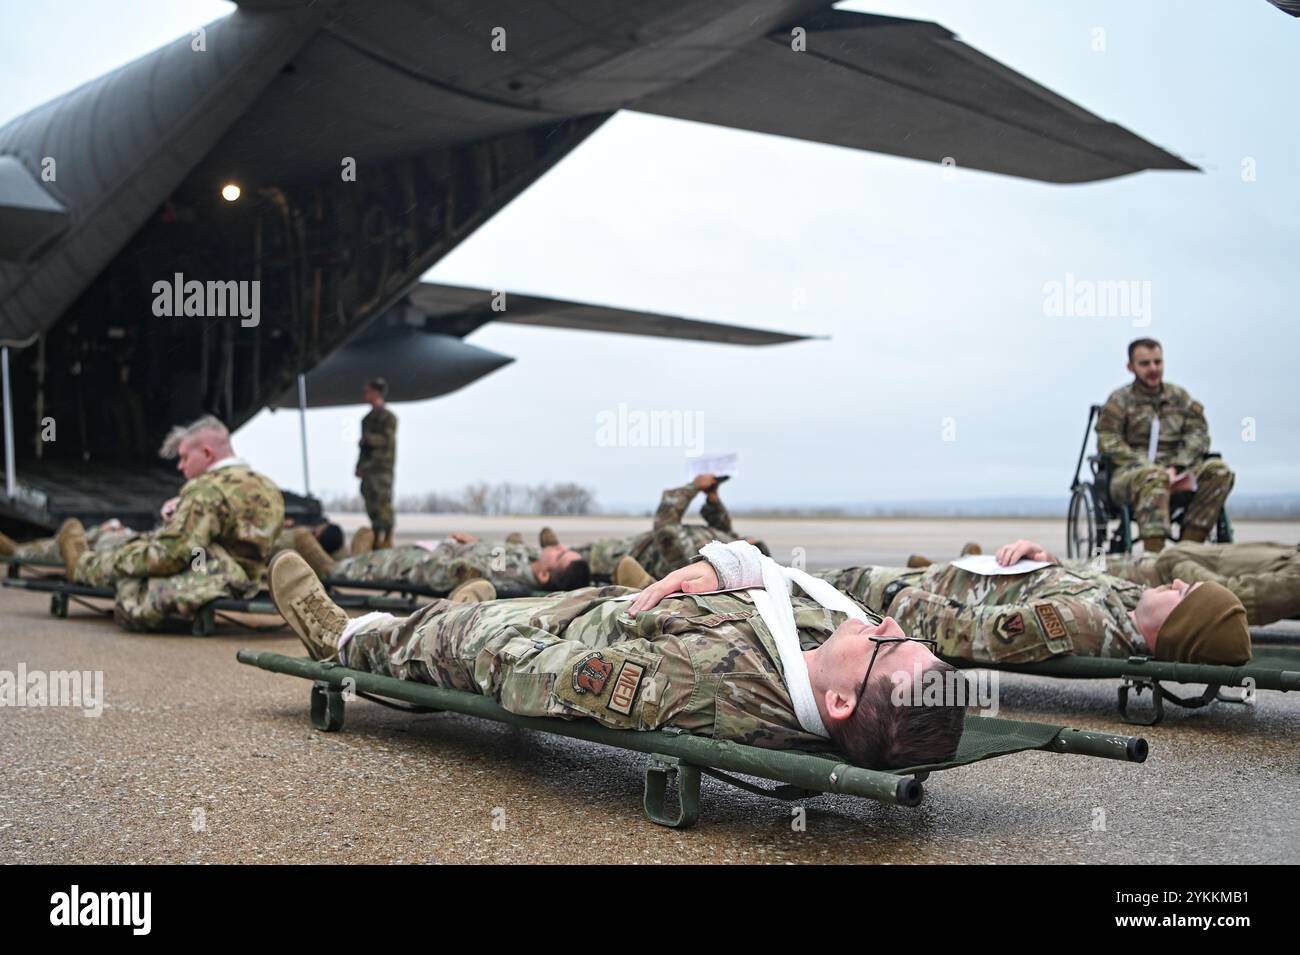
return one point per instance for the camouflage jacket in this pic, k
(378, 442)
(1018, 618)
(507, 565)
(705, 663)
(230, 508)
(1124, 426)
(670, 544)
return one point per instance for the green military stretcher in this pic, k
(63, 592)
(1270, 668)
(678, 756)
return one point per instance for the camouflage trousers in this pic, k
(604, 554)
(408, 563)
(142, 602)
(965, 613)
(45, 550)
(377, 492)
(1265, 577)
(1145, 489)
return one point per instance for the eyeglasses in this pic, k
(880, 641)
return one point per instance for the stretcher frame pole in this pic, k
(11, 474)
(813, 773)
(302, 432)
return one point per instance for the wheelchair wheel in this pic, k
(1084, 528)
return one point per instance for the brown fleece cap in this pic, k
(1207, 626)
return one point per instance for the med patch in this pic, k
(626, 687)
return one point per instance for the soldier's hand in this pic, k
(1009, 554)
(697, 578)
(704, 482)
(1181, 482)
(168, 508)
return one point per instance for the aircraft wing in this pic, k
(457, 310)
(907, 88)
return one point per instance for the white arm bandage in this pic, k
(738, 564)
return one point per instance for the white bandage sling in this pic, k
(741, 565)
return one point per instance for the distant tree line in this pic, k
(563, 499)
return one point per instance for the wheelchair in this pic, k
(1088, 530)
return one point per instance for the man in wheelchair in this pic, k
(1158, 443)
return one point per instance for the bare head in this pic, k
(561, 568)
(374, 392)
(197, 446)
(1146, 359)
(868, 723)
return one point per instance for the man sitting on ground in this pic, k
(708, 664)
(215, 542)
(1053, 610)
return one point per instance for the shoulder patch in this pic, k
(1008, 627)
(591, 673)
(1051, 620)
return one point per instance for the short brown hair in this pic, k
(881, 734)
(379, 386)
(576, 575)
(1142, 343)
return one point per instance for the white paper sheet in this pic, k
(986, 565)
(720, 465)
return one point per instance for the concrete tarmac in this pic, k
(196, 758)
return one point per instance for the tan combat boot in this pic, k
(8, 547)
(628, 573)
(473, 592)
(72, 544)
(363, 541)
(547, 537)
(309, 548)
(1195, 535)
(301, 599)
(971, 548)
(1153, 545)
(916, 560)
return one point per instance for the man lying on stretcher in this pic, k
(1045, 611)
(752, 664)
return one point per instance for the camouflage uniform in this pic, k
(508, 566)
(375, 467)
(45, 550)
(1124, 433)
(705, 664)
(1018, 618)
(671, 544)
(284, 541)
(216, 544)
(1264, 576)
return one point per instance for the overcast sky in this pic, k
(943, 375)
